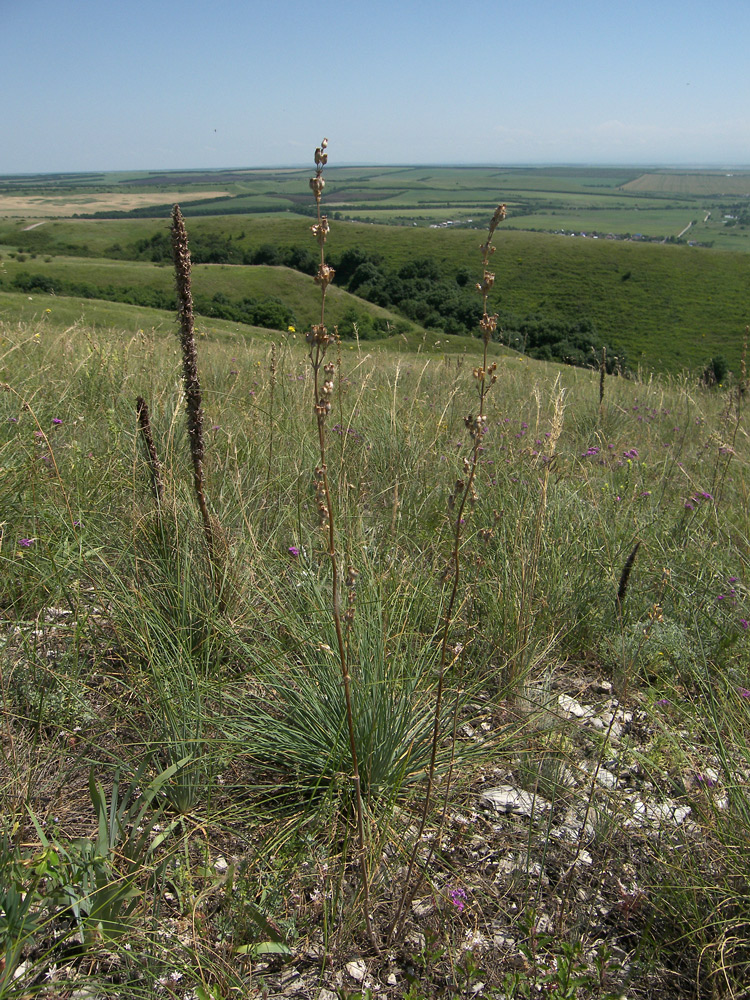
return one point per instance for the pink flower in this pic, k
(458, 898)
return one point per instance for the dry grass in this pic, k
(59, 206)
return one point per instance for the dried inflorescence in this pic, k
(319, 336)
(321, 495)
(488, 324)
(351, 594)
(476, 426)
(321, 230)
(483, 374)
(154, 465)
(323, 404)
(324, 276)
(484, 287)
(182, 264)
(321, 158)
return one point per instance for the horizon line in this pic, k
(515, 165)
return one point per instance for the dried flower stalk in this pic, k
(463, 493)
(191, 382)
(625, 577)
(319, 339)
(154, 465)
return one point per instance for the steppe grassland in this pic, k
(230, 706)
(661, 463)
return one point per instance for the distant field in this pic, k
(699, 183)
(62, 205)
(539, 198)
(658, 221)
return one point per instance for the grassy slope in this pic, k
(294, 289)
(678, 307)
(400, 460)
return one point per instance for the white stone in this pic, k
(356, 970)
(507, 799)
(572, 708)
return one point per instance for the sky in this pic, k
(164, 84)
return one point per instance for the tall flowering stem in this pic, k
(191, 382)
(464, 493)
(319, 340)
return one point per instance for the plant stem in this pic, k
(464, 493)
(319, 340)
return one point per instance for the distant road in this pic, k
(34, 225)
(684, 230)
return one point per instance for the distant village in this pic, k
(627, 237)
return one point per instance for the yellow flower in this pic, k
(290, 329)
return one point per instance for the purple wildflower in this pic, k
(293, 551)
(744, 623)
(458, 898)
(56, 420)
(26, 543)
(744, 692)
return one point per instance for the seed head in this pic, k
(484, 286)
(321, 229)
(488, 325)
(325, 276)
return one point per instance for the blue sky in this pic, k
(166, 84)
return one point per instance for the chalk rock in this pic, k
(507, 799)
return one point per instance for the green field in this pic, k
(661, 306)
(407, 194)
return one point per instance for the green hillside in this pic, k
(668, 307)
